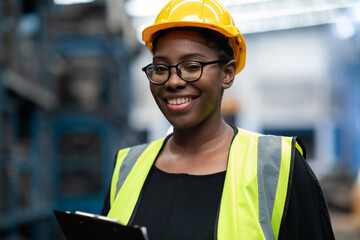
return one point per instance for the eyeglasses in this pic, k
(187, 70)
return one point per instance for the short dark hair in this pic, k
(214, 40)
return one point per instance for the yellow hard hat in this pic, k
(209, 14)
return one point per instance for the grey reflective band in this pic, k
(128, 163)
(268, 169)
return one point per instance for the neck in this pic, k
(201, 136)
(201, 150)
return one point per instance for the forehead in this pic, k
(186, 41)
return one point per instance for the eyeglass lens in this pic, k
(188, 71)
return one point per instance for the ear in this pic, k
(229, 71)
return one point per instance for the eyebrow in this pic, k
(182, 58)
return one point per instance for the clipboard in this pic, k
(82, 225)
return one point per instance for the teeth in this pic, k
(178, 101)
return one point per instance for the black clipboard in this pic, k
(82, 225)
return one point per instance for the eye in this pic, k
(191, 66)
(160, 69)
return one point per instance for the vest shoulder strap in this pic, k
(128, 164)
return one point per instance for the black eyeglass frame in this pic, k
(202, 64)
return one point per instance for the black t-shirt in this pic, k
(182, 206)
(179, 206)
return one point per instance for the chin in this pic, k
(182, 124)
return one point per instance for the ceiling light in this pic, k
(69, 2)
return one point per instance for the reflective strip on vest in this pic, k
(254, 191)
(125, 190)
(128, 164)
(269, 159)
(255, 187)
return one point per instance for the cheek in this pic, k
(153, 89)
(213, 85)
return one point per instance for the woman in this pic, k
(209, 180)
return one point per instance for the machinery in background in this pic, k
(64, 99)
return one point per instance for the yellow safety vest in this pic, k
(254, 192)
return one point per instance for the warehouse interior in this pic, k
(72, 93)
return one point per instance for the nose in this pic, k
(175, 80)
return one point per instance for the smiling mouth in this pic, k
(178, 101)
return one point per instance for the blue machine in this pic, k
(84, 150)
(58, 157)
(23, 183)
